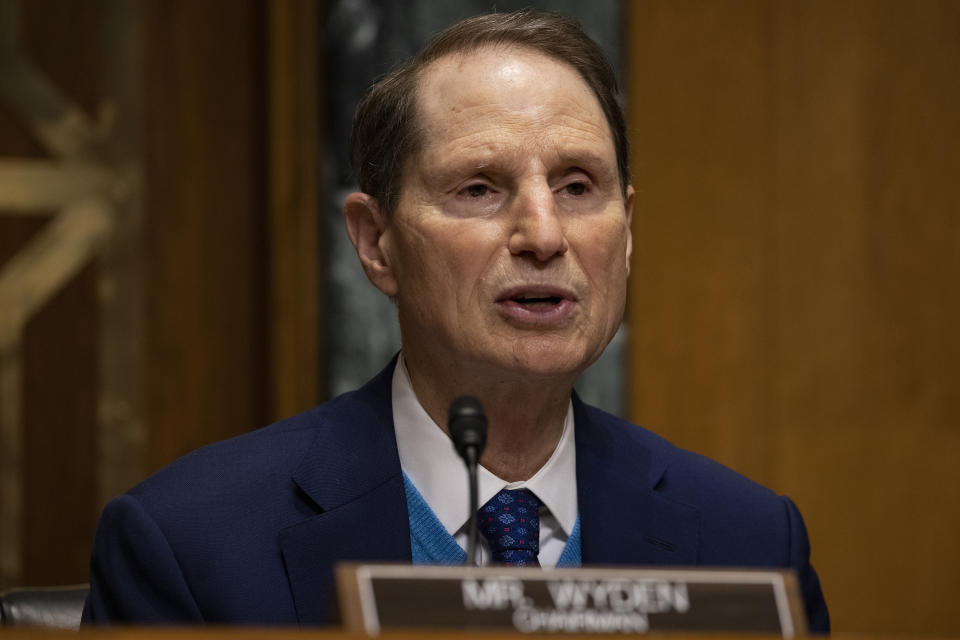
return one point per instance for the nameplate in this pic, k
(582, 601)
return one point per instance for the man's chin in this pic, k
(549, 360)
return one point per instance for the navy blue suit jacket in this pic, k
(248, 530)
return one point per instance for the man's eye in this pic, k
(576, 188)
(476, 190)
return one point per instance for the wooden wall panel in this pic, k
(205, 231)
(793, 305)
(869, 238)
(702, 120)
(297, 357)
(231, 153)
(15, 137)
(60, 380)
(175, 144)
(50, 28)
(50, 395)
(16, 232)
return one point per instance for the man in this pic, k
(495, 211)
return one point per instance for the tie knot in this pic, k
(510, 522)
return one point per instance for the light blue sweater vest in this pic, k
(430, 543)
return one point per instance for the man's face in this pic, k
(510, 245)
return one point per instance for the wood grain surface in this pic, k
(793, 302)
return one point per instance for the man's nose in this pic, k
(538, 229)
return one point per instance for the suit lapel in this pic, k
(624, 516)
(352, 474)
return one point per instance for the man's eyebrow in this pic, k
(457, 170)
(588, 158)
(496, 160)
(463, 168)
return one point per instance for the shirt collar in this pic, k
(433, 466)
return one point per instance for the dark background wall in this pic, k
(792, 308)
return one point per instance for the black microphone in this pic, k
(468, 429)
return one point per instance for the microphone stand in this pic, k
(468, 429)
(472, 533)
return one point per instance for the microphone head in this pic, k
(468, 426)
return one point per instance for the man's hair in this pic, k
(386, 133)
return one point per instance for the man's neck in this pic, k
(525, 414)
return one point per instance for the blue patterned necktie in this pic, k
(510, 522)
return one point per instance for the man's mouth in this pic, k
(537, 301)
(539, 305)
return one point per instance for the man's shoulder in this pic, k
(249, 468)
(249, 454)
(200, 525)
(281, 445)
(230, 477)
(684, 476)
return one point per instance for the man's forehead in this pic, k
(512, 89)
(502, 75)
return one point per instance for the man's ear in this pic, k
(628, 206)
(366, 227)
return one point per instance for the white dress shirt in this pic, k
(428, 458)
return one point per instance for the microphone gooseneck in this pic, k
(468, 429)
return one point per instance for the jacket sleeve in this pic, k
(817, 616)
(134, 574)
